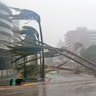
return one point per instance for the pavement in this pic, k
(62, 84)
(5, 84)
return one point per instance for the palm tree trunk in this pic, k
(42, 56)
(25, 69)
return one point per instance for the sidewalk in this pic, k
(4, 82)
(22, 85)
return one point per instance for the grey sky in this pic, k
(60, 16)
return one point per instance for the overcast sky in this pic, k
(60, 16)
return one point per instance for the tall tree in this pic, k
(89, 53)
(28, 46)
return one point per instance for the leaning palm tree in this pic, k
(29, 46)
(25, 14)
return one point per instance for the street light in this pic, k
(31, 15)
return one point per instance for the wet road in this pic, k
(60, 85)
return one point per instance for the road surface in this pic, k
(63, 84)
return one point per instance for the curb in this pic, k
(26, 84)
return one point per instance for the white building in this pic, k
(6, 34)
(80, 35)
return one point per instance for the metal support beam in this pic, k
(42, 69)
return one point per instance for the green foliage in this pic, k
(89, 53)
(78, 45)
(27, 46)
(31, 70)
(24, 50)
(50, 53)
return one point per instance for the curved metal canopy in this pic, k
(25, 14)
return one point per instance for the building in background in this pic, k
(80, 35)
(6, 34)
(60, 43)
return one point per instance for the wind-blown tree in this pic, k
(77, 46)
(67, 61)
(28, 46)
(89, 53)
(25, 14)
(23, 49)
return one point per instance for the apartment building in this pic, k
(80, 35)
(6, 34)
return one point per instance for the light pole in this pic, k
(42, 69)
